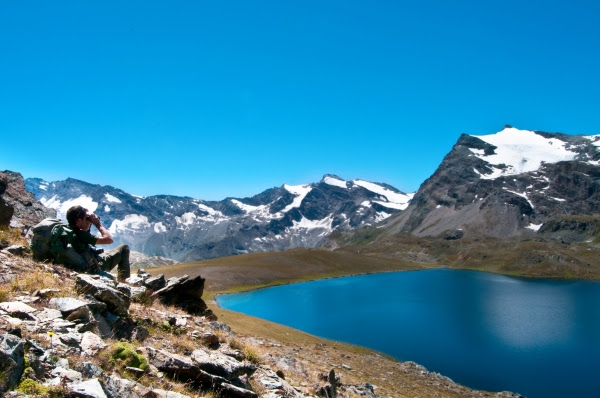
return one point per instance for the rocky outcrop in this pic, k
(184, 293)
(6, 211)
(77, 327)
(26, 211)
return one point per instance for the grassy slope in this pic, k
(264, 269)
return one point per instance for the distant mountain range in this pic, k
(187, 229)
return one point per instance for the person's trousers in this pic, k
(117, 257)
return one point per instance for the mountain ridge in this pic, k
(186, 229)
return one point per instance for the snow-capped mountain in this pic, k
(505, 184)
(186, 229)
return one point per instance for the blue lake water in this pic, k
(540, 338)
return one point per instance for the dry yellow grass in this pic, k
(257, 270)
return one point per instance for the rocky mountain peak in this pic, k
(506, 184)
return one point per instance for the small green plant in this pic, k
(31, 387)
(125, 352)
(172, 329)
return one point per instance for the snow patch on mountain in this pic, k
(390, 195)
(61, 207)
(325, 224)
(131, 223)
(336, 182)
(521, 151)
(524, 196)
(186, 219)
(111, 198)
(534, 227)
(300, 191)
(248, 208)
(159, 228)
(209, 210)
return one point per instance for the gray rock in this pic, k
(156, 282)
(62, 373)
(116, 387)
(67, 305)
(48, 314)
(169, 394)
(184, 293)
(71, 338)
(90, 370)
(19, 310)
(62, 326)
(91, 344)
(218, 364)
(88, 389)
(140, 333)
(186, 370)
(117, 302)
(93, 304)
(12, 360)
(137, 292)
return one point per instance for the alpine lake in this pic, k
(535, 337)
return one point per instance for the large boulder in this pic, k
(184, 293)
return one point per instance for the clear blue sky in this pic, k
(211, 99)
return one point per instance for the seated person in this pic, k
(82, 257)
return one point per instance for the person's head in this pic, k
(77, 217)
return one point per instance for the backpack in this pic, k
(50, 238)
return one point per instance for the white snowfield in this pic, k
(62, 207)
(391, 199)
(111, 198)
(131, 223)
(521, 151)
(335, 182)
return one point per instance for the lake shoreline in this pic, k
(287, 304)
(260, 270)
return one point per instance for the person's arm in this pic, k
(105, 236)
